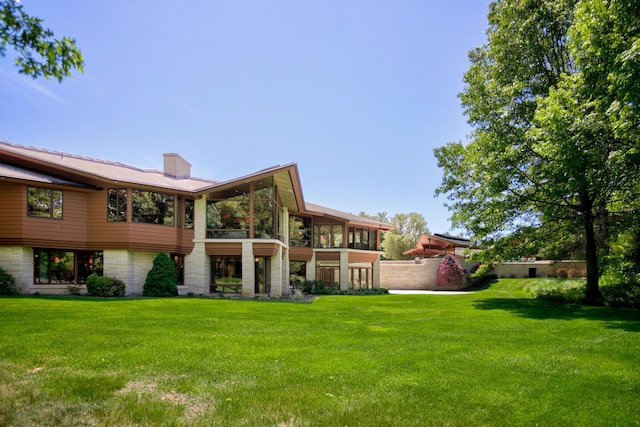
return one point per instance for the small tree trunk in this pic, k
(592, 295)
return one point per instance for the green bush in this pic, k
(570, 291)
(7, 283)
(161, 279)
(104, 286)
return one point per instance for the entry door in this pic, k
(262, 275)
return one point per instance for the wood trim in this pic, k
(223, 248)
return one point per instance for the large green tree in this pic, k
(552, 109)
(39, 53)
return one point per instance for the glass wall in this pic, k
(300, 231)
(297, 272)
(228, 218)
(230, 214)
(226, 274)
(327, 236)
(117, 205)
(363, 238)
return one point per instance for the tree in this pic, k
(408, 229)
(39, 52)
(161, 279)
(450, 273)
(545, 157)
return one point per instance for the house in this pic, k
(439, 245)
(66, 216)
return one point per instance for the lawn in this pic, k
(494, 357)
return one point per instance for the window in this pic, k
(152, 208)
(327, 236)
(299, 231)
(297, 272)
(188, 213)
(44, 203)
(117, 204)
(264, 213)
(226, 274)
(54, 266)
(363, 238)
(228, 218)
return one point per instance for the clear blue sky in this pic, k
(356, 92)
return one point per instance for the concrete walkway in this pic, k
(422, 292)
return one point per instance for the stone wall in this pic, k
(412, 275)
(421, 274)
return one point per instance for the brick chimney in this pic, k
(176, 167)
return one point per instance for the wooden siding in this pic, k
(297, 253)
(327, 256)
(362, 256)
(223, 248)
(83, 226)
(265, 249)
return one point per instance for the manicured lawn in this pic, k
(495, 357)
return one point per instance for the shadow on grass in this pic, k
(617, 318)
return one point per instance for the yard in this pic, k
(495, 357)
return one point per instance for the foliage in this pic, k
(553, 102)
(408, 228)
(7, 283)
(161, 279)
(104, 286)
(450, 273)
(569, 291)
(39, 52)
(483, 269)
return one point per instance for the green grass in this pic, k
(495, 357)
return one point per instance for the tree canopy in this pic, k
(408, 229)
(39, 53)
(553, 101)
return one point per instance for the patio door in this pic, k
(262, 276)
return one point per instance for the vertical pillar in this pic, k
(311, 268)
(376, 273)
(277, 285)
(248, 270)
(344, 270)
(197, 265)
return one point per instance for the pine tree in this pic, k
(161, 279)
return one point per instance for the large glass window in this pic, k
(327, 236)
(152, 208)
(264, 213)
(44, 203)
(300, 231)
(297, 272)
(229, 214)
(228, 218)
(226, 274)
(117, 204)
(188, 213)
(58, 266)
(362, 238)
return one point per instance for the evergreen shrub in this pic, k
(7, 283)
(161, 279)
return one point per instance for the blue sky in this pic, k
(357, 93)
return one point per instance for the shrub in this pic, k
(104, 286)
(450, 273)
(161, 279)
(482, 270)
(562, 273)
(310, 286)
(574, 273)
(570, 291)
(7, 283)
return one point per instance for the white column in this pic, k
(344, 270)
(248, 270)
(376, 273)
